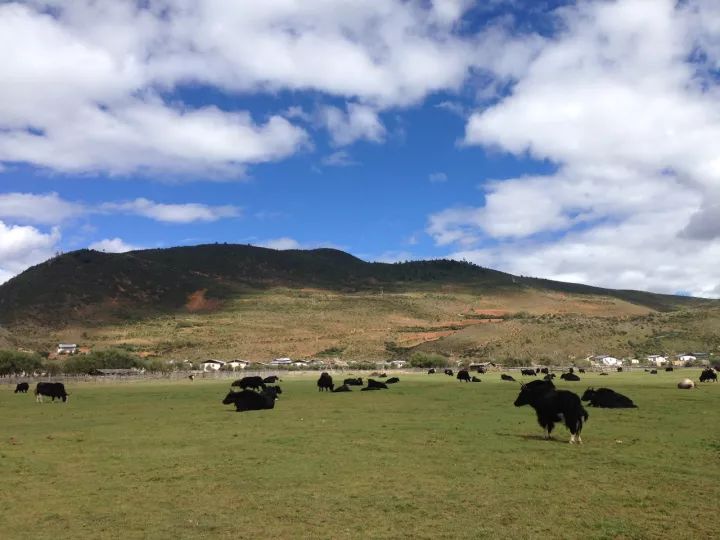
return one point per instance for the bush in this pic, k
(107, 359)
(428, 360)
(18, 362)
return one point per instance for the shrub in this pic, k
(18, 362)
(428, 360)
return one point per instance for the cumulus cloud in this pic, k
(85, 82)
(24, 246)
(281, 243)
(622, 101)
(172, 213)
(48, 208)
(357, 122)
(113, 245)
(341, 158)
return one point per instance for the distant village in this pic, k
(212, 365)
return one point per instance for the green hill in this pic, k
(248, 301)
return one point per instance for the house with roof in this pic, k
(281, 362)
(657, 359)
(212, 365)
(67, 348)
(237, 364)
(605, 360)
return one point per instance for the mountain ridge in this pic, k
(79, 284)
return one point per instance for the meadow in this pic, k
(429, 458)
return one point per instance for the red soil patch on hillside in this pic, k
(197, 302)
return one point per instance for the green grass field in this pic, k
(429, 458)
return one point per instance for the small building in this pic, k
(300, 364)
(237, 364)
(212, 365)
(67, 348)
(634, 361)
(605, 360)
(682, 359)
(281, 362)
(398, 363)
(657, 359)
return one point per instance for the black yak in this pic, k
(505, 377)
(463, 375)
(392, 380)
(528, 372)
(449, 372)
(353, 382)
(254, 382)
(272, 379)
(431, 371)
(553, 406)
(608, 399)
(375, 385)
(708, 375)
(50, 389)
(249, 400)
(325, 382)
(475, 379)
(569, 377)
(22, 388)
(343, 388)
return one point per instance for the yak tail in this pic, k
(585, 414)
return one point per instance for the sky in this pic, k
(575, 141)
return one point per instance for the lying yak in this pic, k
(608, 399)
(475, 379)
(342, 388)
(708, 375)
(353, 382)
(686, 384)
(505, 377)
(249, 400)
(569, 377)
(375, 385)
(552, 405)
(392, 380)
(254, 382)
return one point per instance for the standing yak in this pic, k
(708, 375)
(553, 406)
(22, 388)
(50, 389)
(463, 375)
(325, 382)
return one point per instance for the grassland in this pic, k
(429, 458)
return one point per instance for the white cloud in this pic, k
(358, 122)
(437, 177)
(393, 257)
(281, 243)
(48, 208)
(113, 245)
(83, 81)
(631, 124)
(24, 246)
(172, 213)
(341, 158)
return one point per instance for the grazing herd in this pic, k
(551, 405)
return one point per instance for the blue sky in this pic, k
(557, 139)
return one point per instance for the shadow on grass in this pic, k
(539, 438)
